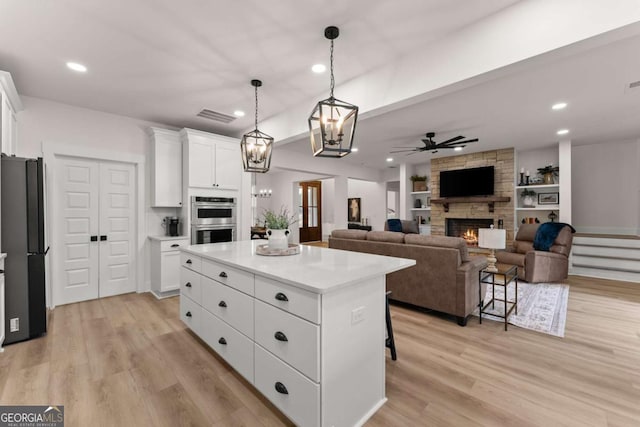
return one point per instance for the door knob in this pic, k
(94, 238)
(188, 284)
(222, 341)
(188, 314)
(188, 262)
(222, 304)
(223, 275)
(280, 336)
(103, 238)
(175, 245)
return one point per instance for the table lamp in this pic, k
(492, 238)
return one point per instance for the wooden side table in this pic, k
(503, 277)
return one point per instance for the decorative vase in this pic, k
(528, 202)
(278, 239)
(548, 178)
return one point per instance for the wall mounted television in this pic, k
(467, 182)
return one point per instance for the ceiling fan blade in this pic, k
(415, 152)
(415, 148)
(457, 138)
(456, 144)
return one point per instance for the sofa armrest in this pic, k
(467, 282)
(541, 266)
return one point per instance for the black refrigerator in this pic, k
(23, 241)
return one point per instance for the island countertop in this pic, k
(316, 269)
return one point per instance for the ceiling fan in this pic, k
(431, 145)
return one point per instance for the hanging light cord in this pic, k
(333, 82)
(256, 107)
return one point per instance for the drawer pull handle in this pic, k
(280, 388)
(280, 336)
(281, 297)
(222, 341)
(188, 314)
(188, 262)
(223, 275)
(175, 245)
(188, 284)
(222, 304)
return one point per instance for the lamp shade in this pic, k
(492, 238)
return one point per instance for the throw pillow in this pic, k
(394, 225)
(410, 227)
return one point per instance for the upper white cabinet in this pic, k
(11, 105)
(166, 168)
(212, 161)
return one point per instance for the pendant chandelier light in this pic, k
(332, 122)
(255, 145)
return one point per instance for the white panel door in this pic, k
(78, 190)
(117, 228)
(95, 226)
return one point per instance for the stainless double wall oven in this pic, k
(213, 219)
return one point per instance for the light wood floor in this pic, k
(128, 361)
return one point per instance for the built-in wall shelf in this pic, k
(536, 186)
(489, 200)
(421, 192)
(540, 208)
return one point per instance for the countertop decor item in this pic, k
(292, 249)
(255, 145)
(332, 122)
(277, 225)
(528, 200)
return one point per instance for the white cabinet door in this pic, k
(166, 175)
(1, 310)
(228, 166)
(201, 164)
(169, 271)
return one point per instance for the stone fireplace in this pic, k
(467, 228)
(503, 161)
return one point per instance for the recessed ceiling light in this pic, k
(354, 150)
(559, 106)
(238, 113)
(77, 67)
(389, 159)
(457, 149)
(563, 131)
(319, 68)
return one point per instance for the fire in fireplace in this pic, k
(467, 228)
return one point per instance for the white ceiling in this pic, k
(164, 61)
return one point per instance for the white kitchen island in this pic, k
(307, 330)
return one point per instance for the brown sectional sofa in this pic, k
(444, 278)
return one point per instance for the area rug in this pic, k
(542, 307)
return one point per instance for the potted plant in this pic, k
(419, 182)
(548, 173)
(527, 198)
(277, 225)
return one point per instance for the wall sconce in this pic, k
(263, 193)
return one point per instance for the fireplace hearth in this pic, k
(467, 228)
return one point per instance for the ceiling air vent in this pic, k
(214, 115)
(634, 85)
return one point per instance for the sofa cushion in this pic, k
(527, 232)
(440, 241)
(511, 258)
(385, 236)
(408, 226)
(394, 225)
(350, 234)
(562, 244)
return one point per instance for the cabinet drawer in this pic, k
(173, 245)
(237, 279)
(191, 262)
(301, 403)
(230, 305)
(190, 313)
(190, 284)
(230, 344)
(297, 301)
(292, 339)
